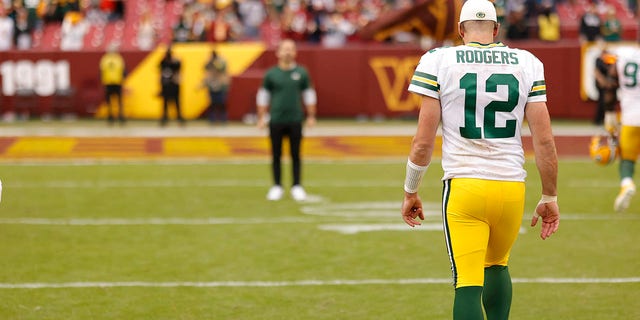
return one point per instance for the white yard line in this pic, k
(153, 221)
(315, 219)
(298, 283)
(177, 183)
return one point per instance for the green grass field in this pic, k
(199, 241)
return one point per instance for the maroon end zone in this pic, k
(567, 146)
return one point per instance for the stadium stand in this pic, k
(570, 13)
(166, 13)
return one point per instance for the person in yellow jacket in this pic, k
(112, 74)
(548, 23)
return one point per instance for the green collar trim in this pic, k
(488, 45)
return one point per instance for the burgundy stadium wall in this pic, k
(357, 80)
(371, 80)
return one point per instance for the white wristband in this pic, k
(547, 199)
(611, 118)
(413, 176)
(309, 97)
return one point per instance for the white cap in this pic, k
(478, 10)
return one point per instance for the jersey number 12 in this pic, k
(469, 83)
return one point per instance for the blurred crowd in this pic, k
(533, 19)
(329, 22)
(21, 19)
(336, 22)
(600, 23)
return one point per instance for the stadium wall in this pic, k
(357, 80)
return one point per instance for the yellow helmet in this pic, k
(604, 149)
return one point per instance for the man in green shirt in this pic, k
(285, 88)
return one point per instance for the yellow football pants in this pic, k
(481, 222)
(629, 143)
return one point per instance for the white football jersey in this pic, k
(483, 90)
(628, 67)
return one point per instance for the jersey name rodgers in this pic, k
(483, 90)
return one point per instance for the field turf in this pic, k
(198, 240)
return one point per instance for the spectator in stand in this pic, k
(612, 27)
(224, 26)
(68, 5)
(335, 30)
(277, 6)
(182, 30)
(590, 25)
(113, 8)
(271, 30)
(6, 30)
(199, 24)
(294, 21)
(146, 37)
(518, 28)
(252, 14)
(548, 23)
(32, 13)
(633, 6)
(92, 12)
(317, 16)
(22, 30)
(370, 11)
(51, 11)
(404, 36)
(73, 30)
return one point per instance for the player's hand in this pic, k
(261, 124)
(311, 121)
(611, 122)
(550, 214)
(412, 209)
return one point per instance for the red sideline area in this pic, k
(230, 142)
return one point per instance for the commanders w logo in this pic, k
(393, 75)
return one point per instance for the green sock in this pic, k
(466, 304)
(496, 297)
(626, 168)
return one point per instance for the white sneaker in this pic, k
(624, 197)
(298, 193)
(275, 193)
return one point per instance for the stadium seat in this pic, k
(50, 38)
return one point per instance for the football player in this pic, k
(482, 92)
(628, 129)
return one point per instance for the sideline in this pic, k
(199, 128)
(138, 140)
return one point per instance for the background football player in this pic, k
(628, 130)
